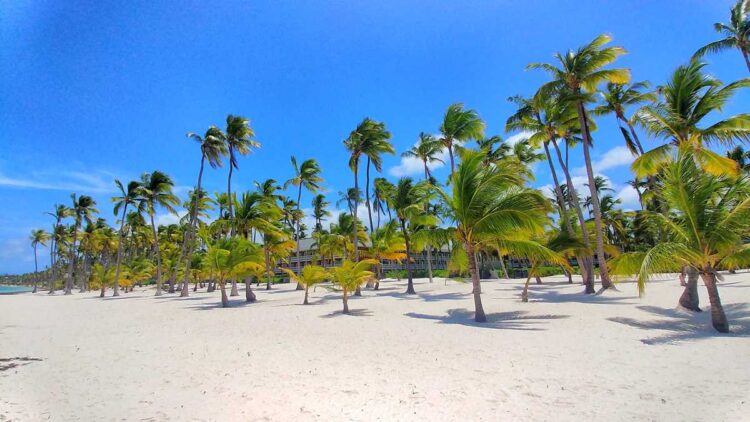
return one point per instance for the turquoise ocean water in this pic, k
(6, 290)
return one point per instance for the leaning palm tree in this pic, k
(426, 150)
(616, 98)
(309, 276)
(156, 191)
(578, 75)
(38, 237)
(736, 33)
(82, 209)
(680, 115)
(350, 276)
(238, 137)
(306, 175)
(485, 201)
(408, 202)
(711, 214)
(459, 125)
(213, 148)
(127, 198)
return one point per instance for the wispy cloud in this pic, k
(518, 137)
(615, 157)
(411, 166)
(94, 181)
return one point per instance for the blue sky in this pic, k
(97, 90)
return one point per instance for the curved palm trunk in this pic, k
(689, 299)
(367, 193)
(586, 264)
(116, 285)
(410, 283)
(299, 262)
(158, 255)
(718, 317)
(249, 294)
(479, 315)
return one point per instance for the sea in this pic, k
(9, 290)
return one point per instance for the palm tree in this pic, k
(711, 214)
(127, 198)
(736, 33)
(238, 138)
(616, 98)
(685, 102)
(486, 201)
(386, 244)
(320, 211)
(459, 125)
(156, 191)
(306, 175)
(38, 237)
(408, 202)
(213, 147)
(426, 150)
(376, 143)
(383, 189)
(229, 258)
(82, 209)
(579, 74)
(350, 276)
(60, 213)
(309, 276)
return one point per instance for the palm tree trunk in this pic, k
(299, 262)
(502, 265)
(72, 263)
(410, 283)
(587, 272)
(116, 285)
(450, 154)
(158, 255)
(234, 291)
(634, 135)
(718, 317)
(479, 315)
(36, 270)
(307, 288)
(603, 272)
(367, 192)
(187, 243)
(224, 298)
(229, 191)
(689, 299)
(525, 292)
(249, 295)
(53, 267)
(267, 254)
(354, 213)
(346, 302)
(745, 56)
(429, 261)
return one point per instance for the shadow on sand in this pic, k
(517, 320)
(682, 325)
(10, 363)
(353, 312)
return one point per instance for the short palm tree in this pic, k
(710, 215)
(485, 201)
(126, 198)
(306, 175)
(459, 125)
(426, 150)
(386, 243)
(155, 191)
(350, 276)
(238, 137)
(408, 202)
(229, 258)
(38, 237)
(577, 76)
(82, 209)
(736, 33)
(309, 276)
(683, 107)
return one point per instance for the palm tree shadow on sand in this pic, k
(517, 320)
(353, 312)
(682, 325)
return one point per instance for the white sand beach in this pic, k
(564, 356)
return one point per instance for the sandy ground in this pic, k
(564, 356)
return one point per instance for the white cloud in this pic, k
(410, 166)
(169, 218)
(615, 157)
(518, 137)
(93, 181)
(629, 197)
(18, 249)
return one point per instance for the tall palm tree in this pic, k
(459, 125)
(408, 202)
(306, 175)
(238, 138)
(213, 147)
(426, 150)
(38, 237)
(82, 209)
(683, 106)
(711, 216)
(577, 76)
(376, 143)
(383, 190)
(486, 201)
(616, 98)
(127, 198)
(320, 211)
(736, 33)
(156, 191)
(60, 213)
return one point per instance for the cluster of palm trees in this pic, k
(694, 216)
